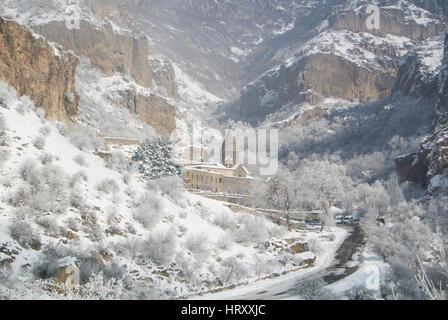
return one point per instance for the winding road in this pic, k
(288, 286)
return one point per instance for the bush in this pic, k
(48, 263)
(25, 105)
(77, 199)
(50, 225)
(45, 131)
(108, 186)
(311, 289)
(225, 242)
(25, 235)
(29, 172)
(160, 247)
(80, 160)
(156, 159)
(173, 187)
(46, 159)
(198, 245)
(233, 270)
(77, 178)
(148, 212)
(2, 124)
(118, 162)
(4, 156)
(224, 221)
(84, 139)
(253, 229)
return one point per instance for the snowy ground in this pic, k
(277, 287)
(60, 191)
(370, 275)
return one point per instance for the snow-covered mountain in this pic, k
(135, 69)
(63, 204)
(344, 59)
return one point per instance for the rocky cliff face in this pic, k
(314, 77)
(38, 69)
(393, 20)
(348, 61)
(165, 78)
(431, 160)
(418, 74)
(107, 50)
(152, 110)
(113, 44)
(336, 64)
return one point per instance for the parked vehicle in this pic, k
(348, 219)
(314, 222)
(339, 219)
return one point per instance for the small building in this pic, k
(218, 178)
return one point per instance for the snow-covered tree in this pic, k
(156, 159)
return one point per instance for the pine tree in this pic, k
(156, 159)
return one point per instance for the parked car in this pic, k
(314, 222)
(339, 219)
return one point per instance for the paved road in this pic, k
(288, 287)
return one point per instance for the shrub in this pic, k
(45, 131)
(84, 139)
(77, 178)
(148, 212)
(156, 159)
(73, 224)
(225, 242)
(26, 213)
(25, 105)
(4, 156)
(118, 162)
(48, 263)
(253, 229)
(224, 220)
(173, 187)
(25, 235)
(160, 247)
(233, 270)
(46, 159)
(28, 172)
(80, 160)
(108, 186)
(198, 245)
(77, 199)
(50, 225)
(2, 124)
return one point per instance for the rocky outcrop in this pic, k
(165, 78)
(392, 21)
(38, 69)
(413, 81)
(413, 167)
(108, 51)
(432, 158)
(309, 80)
(151, 109)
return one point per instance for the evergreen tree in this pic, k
(156, 159)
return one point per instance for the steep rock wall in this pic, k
(37, 69)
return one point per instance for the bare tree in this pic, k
(283, 194)
(431, 289)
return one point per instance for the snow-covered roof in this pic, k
(335, 210)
